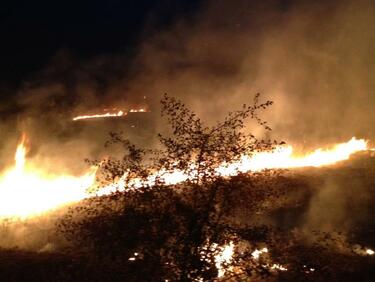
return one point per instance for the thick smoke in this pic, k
(314, 59)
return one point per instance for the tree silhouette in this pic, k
(176, 232)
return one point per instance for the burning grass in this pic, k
(109, 230)
(210, 206)
(53, 191)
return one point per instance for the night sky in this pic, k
(32, 32)
(80, 56)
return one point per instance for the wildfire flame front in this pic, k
(27, 190)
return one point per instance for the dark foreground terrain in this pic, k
(324, 220)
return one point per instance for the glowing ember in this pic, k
(256, 254)
(26, 191)
(308, 269)
(370, 252)
(224, 257)
(279, 267)
(117, 114)
(137, 110)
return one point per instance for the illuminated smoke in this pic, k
(26, 190)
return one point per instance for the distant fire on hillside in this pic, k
(110, 113)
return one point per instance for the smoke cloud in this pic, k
(314, 59)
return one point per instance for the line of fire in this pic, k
(28, 192)
(190, 140)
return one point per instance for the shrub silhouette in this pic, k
(174, 232)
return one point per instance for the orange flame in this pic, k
(280, 158)
(117, 114)
(109, 114)
(26, 190)
(19, 157)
